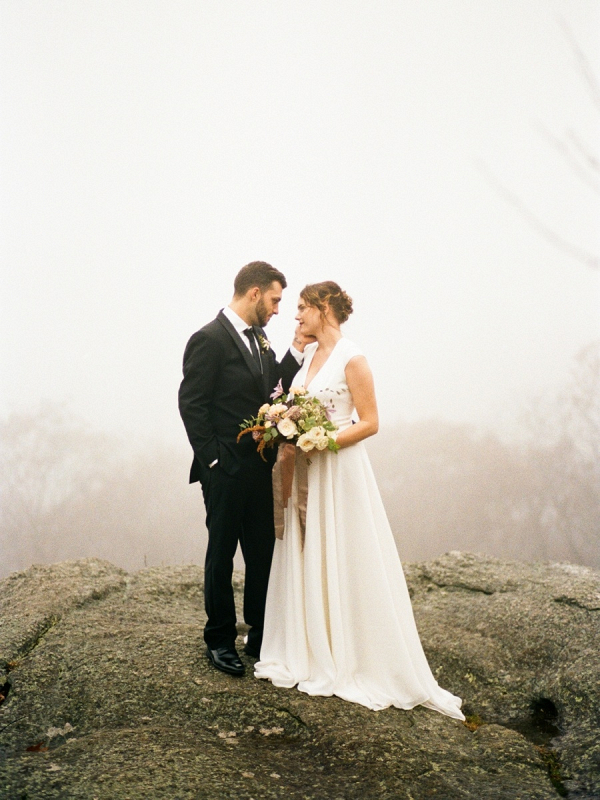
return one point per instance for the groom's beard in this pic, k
(262, 315)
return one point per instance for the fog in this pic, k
(70, 492)
(440, 161)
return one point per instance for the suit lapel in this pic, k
(266, 359)
(246, 354)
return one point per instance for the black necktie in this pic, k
(252, 338)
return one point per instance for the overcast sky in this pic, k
(150, 148)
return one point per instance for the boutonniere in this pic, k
(265, 344)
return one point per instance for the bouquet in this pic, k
(295, 418)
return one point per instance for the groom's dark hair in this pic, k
(257, 273)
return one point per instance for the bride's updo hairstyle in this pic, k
(328, 293)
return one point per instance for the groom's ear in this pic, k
(253, 294)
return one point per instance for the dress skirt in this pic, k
(339, 619)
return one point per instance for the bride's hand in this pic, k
(300, 340)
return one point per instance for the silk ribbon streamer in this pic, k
(290, 460)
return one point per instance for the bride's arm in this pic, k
(360, 382)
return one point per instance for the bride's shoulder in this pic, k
(348, 350)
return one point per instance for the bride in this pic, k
(339, 619)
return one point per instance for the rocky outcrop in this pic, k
(108, 694)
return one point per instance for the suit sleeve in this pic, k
(288, 367)
(201, 362)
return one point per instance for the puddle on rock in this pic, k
(541, 726)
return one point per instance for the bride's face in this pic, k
(309, 318)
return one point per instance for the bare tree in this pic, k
(574, 151)
(67, 491)
(48, 460)
(448, 486)
(564, 452)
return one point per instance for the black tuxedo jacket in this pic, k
(222, 386)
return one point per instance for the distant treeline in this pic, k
(68, 492)
(537, 497)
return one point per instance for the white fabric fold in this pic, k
(339, 619)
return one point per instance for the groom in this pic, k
(229, 371)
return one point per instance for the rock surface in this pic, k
(109, 695)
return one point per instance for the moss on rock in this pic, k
(110, 695)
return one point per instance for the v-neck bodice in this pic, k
(314, 348)
(329, 382)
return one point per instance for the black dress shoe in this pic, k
(251, 651)
(226, 659)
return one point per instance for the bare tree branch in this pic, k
(562, 147)
(578, 253)
(589, 76)
(591, 160)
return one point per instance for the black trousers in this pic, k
(238, 508)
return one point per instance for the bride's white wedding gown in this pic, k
(339, 619)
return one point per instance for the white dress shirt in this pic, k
(240, 326)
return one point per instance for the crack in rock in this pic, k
(464, 587)
(577, 603)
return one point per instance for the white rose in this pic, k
(319, 437)
(287, 428)
(264, 408)
(277, 410)
(297, 390)
(305, 443)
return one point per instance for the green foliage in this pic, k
(305, 412)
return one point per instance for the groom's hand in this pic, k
(300, 340)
